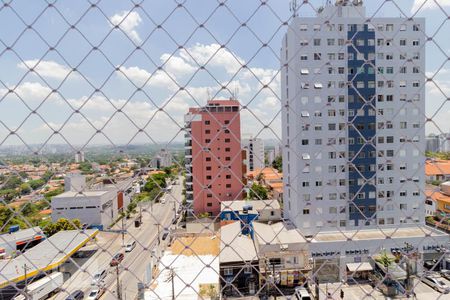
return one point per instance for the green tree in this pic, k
(28, 209)
(278, 163)
(5, 215)
(258, 192)
(62, 224)
(384, 259)
(25, 188)
(35, 184)
(9, 194)
(12, 182)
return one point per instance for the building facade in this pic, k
(213, 155)
(254, 148)
(353, 135)
(162, 160)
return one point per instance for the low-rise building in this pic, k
(100, 207)
(249, 210)
(20, 240)
(437, 170)
(283, 254)
(239, 262)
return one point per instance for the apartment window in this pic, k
(208, 159)
(415, 43)
(305, 142)
(403, 27)
(317, 56)
(403, 42)
(305, 183)
(227, 149)
(303, 27)
(416, 70)
(332, 210)
(389, 27)
(416, 84)
(416, 27)
(228, 271)
(227, 140)
(306, 211)
(228, 185)
(227, 158)
(402, 70)
(228, 176)
(402, 83)
(207, 122)
(316, 42)
(208, 168)
(303, 57)
(330, 42)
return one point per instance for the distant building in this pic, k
(74, 182)
(213, 156)
(162, 160)
(270, 157)
(254, 148)
(79, 157)
(432, 143)
(99, 207)
(441, 199)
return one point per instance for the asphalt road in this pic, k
(133, 268)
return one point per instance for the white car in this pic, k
(436, 283)
(94, 294)
(98, 277)
(130, 246)
(301, 293)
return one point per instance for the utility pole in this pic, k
(157, 226)
(119, 289)
(25, 269)
(274, 286)
(123, 232)
(171, 278)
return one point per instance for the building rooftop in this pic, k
(276, 233)
(71, 194)
(375, 234)
(234, 246)
(257, 205)
(20, 235)
(45, 256)
(267, 173)
(437, 167)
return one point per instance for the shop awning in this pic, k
(359, 267)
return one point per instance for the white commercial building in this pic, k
(79, 157)
(162, 160)
(353, 125)
(99, 207)
(254, 148)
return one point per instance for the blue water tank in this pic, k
(14, 228)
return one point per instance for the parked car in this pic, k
(164, 236)
(445, 274)
(436, 283)
(431, 265)
(95, 294)
(117, 259)
(302, 293)
(130, 246)
(99, 277)
(77, 295)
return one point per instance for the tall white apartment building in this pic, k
(254, 148)
(353, 124)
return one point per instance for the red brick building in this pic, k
(214, 168)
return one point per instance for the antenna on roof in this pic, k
(293, 7)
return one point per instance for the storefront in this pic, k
(359, 271)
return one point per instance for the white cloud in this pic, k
(214, 56)
(32, 92)
(46, 68)
(429, 4)
(140, 76)
(128, 21)
(177, 65)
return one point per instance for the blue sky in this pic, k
(107, 79)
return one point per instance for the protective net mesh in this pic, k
(224, 149)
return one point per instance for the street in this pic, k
(133, 268)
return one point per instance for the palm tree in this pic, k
(384, 259)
